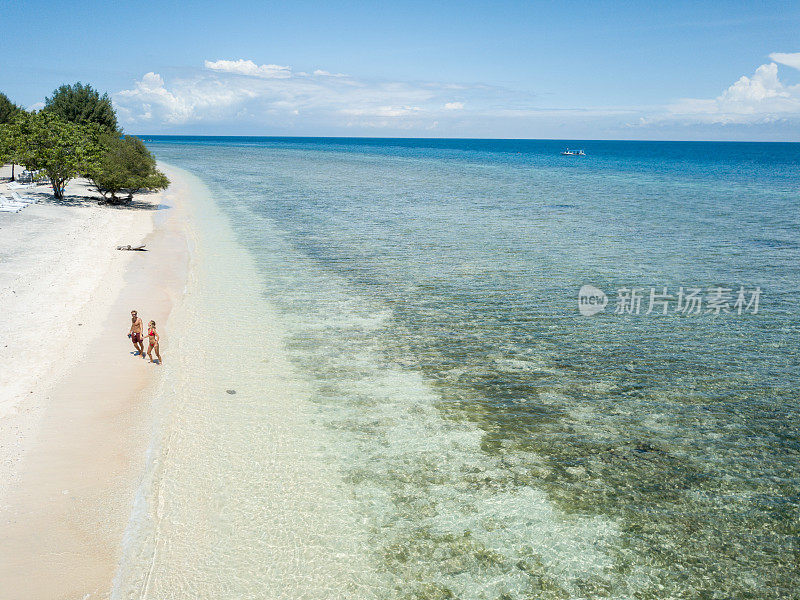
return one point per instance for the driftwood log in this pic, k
(129, 247)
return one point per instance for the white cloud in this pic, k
(241, 96)
(238, 91)
(186, 101)
(321, 73)
(149, 91)
(248, 67)
(764, 85)
(760, 98)
(791, 59)
(382, 111)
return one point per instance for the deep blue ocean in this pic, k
(495, 442)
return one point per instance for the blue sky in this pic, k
(621, 70)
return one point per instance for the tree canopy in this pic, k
(76, 134)
(82, 104)
(61, 149)
(125, 166)
(8, 110)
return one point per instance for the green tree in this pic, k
(5, 150)
(63, 150)
(11, 134)
(125, 166)
(82, 104)
(8, 110)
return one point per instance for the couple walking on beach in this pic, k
(135, 334)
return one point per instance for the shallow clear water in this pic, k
(476, 436)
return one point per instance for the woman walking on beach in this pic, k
(152, 337)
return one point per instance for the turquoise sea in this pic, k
(451, 426)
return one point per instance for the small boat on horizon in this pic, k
(569, 152)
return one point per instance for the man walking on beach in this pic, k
(136, 333)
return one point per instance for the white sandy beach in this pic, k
(73, 398)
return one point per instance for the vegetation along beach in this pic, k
(319, 303)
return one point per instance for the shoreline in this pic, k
(73, 447)
(237, 466)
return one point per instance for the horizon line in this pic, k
(487, 139)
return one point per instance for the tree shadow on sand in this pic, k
(87, 201)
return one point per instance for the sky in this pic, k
(566, 70)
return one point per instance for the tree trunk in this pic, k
(58, 190)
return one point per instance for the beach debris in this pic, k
(136, 248)
(231, 392)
